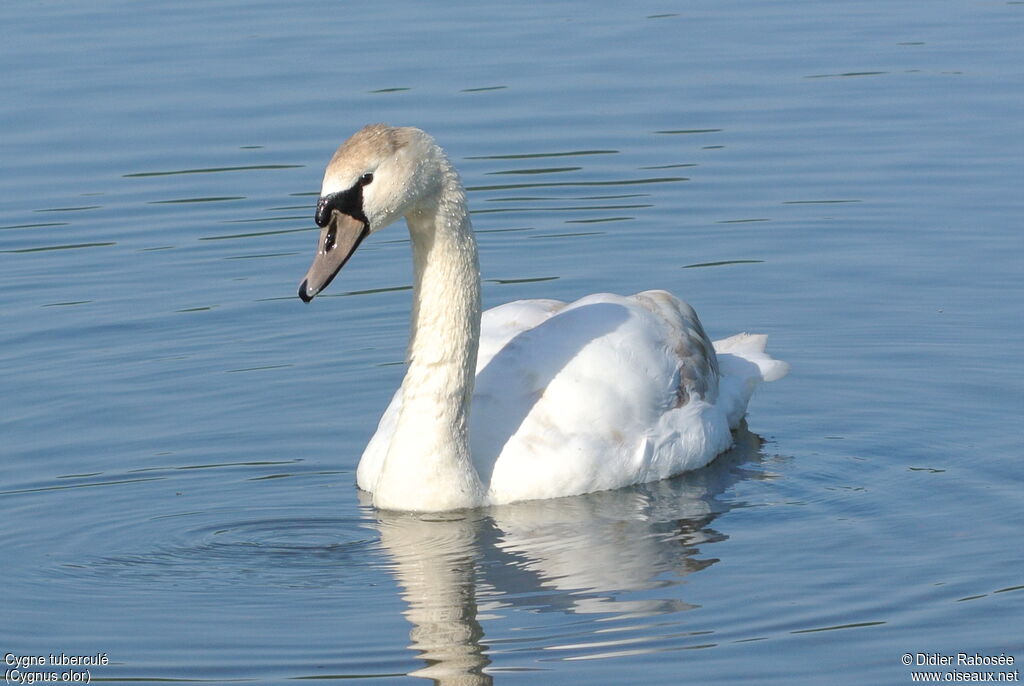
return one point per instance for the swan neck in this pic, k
(428, 465)
(445, 320)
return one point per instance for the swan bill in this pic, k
(338, 240)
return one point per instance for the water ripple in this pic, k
(68, 246)
(309, 552)
(212, 170)
(535, 155)
(565, 184)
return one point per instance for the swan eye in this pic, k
(366, 179)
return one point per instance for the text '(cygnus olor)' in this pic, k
(535, 398)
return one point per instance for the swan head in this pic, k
(377, 176)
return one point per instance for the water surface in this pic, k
(180, 433)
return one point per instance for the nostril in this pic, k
(322, 212)
(330, 238)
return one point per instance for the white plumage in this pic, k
(536, 398)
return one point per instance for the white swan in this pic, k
(536, 398)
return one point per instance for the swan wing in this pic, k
(501, 324)
(604, 392)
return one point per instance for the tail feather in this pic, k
(744, 364)
(751, 347)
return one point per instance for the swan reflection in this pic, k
(574, 555)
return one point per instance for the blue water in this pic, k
(180, 433)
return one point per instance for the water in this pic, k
(180, 433)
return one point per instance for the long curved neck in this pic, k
(428, 465)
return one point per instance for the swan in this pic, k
(532, 399)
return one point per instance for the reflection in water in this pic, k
(435, 562)
(573, 555)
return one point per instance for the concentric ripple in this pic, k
(286, 552)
